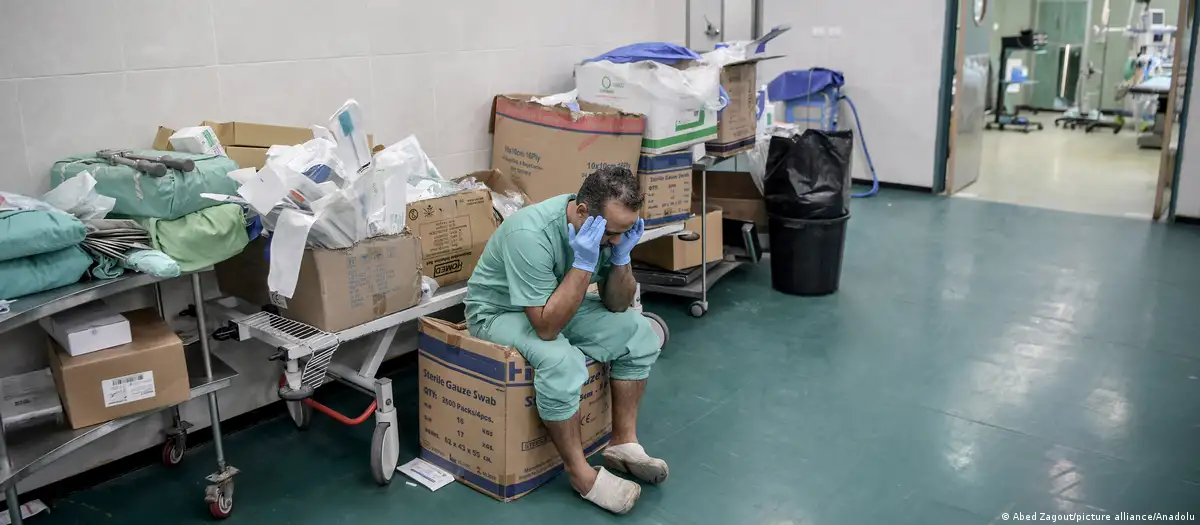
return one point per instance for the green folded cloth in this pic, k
(200, 239)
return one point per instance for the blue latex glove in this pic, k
(587, 242)
(629, 239)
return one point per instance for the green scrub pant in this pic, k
(624, 340)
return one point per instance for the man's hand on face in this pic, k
(629, 239)
(586, 243)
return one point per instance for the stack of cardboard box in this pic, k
(147, 372)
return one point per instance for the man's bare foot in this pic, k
(632, 458)
(611, 493)
(583, 481)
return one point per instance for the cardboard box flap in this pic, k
(591, 119)
(480, 356)
(498, 182)
(752, 60)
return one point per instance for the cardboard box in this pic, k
(453, 230)
(148, 373)
(88, 328)
(666, 181)
(548, 150)
(737, 196)
(162, 139)
(667, 127)
(258, 135)
(737, 124)
(674, 253)
(247, 157)
(337, 289)
(478, 417)
(199, 140)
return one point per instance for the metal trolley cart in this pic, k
(307, 353)
(709, 273)
(28, 450)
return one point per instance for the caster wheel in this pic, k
(173, 450)
(301, 413)
(385, 453)
(660, 328)
(697, 309)
(223, 506)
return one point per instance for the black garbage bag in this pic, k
(808, 177)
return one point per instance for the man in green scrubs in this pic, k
(529, 291)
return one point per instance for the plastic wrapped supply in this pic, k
(78, 197)
(406, 161)
(31, 227)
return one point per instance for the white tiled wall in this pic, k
(81, 75)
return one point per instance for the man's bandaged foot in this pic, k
(631, 458)
(612, 493)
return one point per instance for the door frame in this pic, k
(941, 145)
(1183, 113)
(941, 153)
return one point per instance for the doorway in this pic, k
(1106, 96)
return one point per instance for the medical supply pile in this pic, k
(322, 226)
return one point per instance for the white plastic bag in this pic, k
(685, 89)
(77, 196)
(406, 161)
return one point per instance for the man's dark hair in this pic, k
(610, 183)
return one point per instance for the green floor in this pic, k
(979, 359)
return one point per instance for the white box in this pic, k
(88, 328)
(201, 140)
(676, 102)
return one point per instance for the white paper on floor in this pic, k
(426, 474)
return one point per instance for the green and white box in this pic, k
(680, 102)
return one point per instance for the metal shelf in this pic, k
(33, 307)
(696, 288)
(31, 449)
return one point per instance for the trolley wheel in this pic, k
(222, 507)
(301, 413)
(697, 309)
(174, 449)
(1116, 130)
(385, 453)
(660, 328)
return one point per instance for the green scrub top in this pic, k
(524, 262)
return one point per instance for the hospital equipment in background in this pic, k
(1001, 119)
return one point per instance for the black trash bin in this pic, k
(806, 254)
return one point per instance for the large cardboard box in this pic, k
(337, 289)
(453, 230)
(737, 196)
(666, 181)
(668, 128)
(674, 253)
(258, 135)
(548, 150)
(478, 417)
(148, 373)
(247, 157)
(738, 122)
